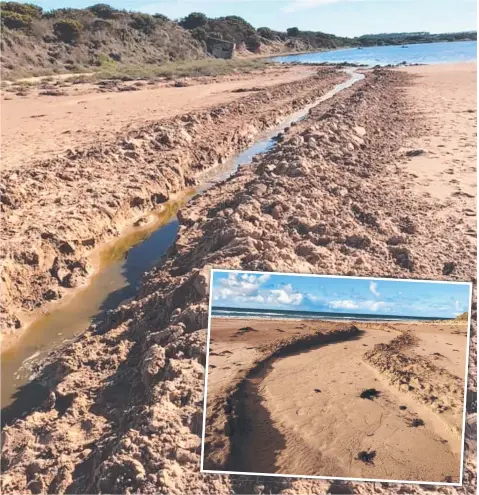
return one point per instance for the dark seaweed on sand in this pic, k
(244, 330)
(417, 422)
(366, 457)
(370, 393)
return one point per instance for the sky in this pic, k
(340, 17)
(339, 295)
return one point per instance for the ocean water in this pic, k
(224, 312)
(421, 53)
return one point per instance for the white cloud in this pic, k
(349, 304)
(286, 295)
(373, 305)
(315, 299)
(461, 308)
(373, 287)
(346, 304)
(246, 288)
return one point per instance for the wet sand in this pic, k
(302, 413)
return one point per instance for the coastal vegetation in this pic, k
(171, 70)
(463, 317)
(412, 38)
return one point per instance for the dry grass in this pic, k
(112, 71)
(172, 70)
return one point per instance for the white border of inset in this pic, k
(277, 475)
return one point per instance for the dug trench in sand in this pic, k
(303, 408)
(126, 398)
(57, 211)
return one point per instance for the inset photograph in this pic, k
(336, 377)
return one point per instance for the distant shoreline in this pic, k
(335, 319)
(272, 314)
(436, 53)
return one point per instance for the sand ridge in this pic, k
(82, 115)
(238, 349)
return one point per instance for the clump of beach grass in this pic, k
(172, 70)
(109, 69)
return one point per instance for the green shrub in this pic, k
(67, 30)
(14, 20)
(103, 11)
(143, 22)
(106, 62)
(100, 25)
(68, 13)
(199, 34)
(161, 17)
(21, 8)
(235, 19)
(294, 31)
(266, 32)
(253, 43)
(193, 20)
(217, 35)
(230, 28)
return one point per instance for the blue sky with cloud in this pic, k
(340, 17)
(339, 295)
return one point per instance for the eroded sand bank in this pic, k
(36, 127)
(57, 211)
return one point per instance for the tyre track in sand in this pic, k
(324, 432)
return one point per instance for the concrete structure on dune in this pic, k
(221, 48)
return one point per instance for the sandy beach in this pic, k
(445, 97)
(352, 189)
(86, 114)
(304, 409)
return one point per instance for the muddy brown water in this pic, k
(122, 264)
